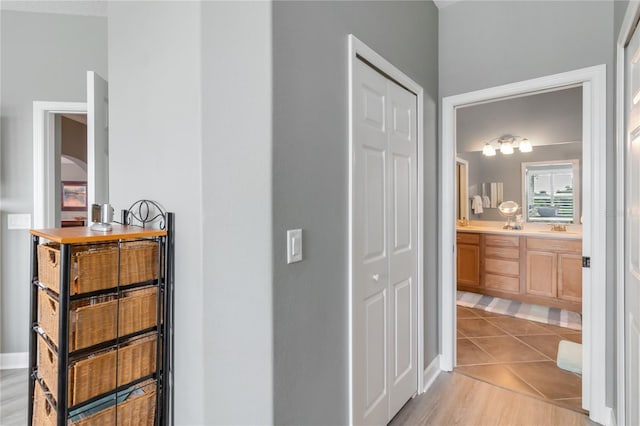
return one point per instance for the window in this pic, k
(551, 191)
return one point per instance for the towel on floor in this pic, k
(570, 356)
(476, 204)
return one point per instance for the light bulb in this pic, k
(506, 148)
(525, 146)
(488, 150)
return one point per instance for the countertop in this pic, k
(537, 233)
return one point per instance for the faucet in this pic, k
(558, 227)
(463, 222)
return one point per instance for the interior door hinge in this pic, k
(586, 262)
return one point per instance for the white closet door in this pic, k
(402, 212)
(384, 248)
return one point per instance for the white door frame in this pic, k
(44, 155)
(626, 30)
(359, 49)
(593, 81)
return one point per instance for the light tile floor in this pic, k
(517, 354)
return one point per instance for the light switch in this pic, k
(294, 245)
(19, 221)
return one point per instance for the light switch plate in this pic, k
(294, 245)
(19, 221)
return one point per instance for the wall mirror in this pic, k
(551, 191)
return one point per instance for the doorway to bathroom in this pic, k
(545, 266)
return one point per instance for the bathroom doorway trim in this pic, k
(593, 83)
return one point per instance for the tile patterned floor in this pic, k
(517, 354)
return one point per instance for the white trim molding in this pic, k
(359, 49)
(431, 373)
(14, 360)
(44, 156)
(626, 30)
(593, 82)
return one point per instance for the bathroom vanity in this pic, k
(534, 266)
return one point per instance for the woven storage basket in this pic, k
(93, 321)
(96, 374)
(95, 267)
(138, 410)
(44, 414)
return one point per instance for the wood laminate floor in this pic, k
(456, 399)
(13, 397)
(517, 354)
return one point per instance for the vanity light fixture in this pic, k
(506, 145)
(488, 150)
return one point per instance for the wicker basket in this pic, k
(95, 266)
(93, 321)
(137, 410)
(96, 374)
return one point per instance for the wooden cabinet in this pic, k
(554, 270)
(542, 274)
(542, 271)
(570, 277)
(468, 261)
(502, 263)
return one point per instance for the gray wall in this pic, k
(190, 124)
(310, 175)
(485, 44)
(44, 57)
(155, 140)
(237, 192)
(508, 170)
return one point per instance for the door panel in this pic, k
(403, 329)
(570, 277)
(402, 203)
(541, 273)
(384, 257)
(376, 354)
(632, 226)
(97, 140)
(370, 253)
(375, 209)
(403, 259)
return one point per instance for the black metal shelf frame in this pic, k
(163, 376)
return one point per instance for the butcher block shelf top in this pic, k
(83, 234)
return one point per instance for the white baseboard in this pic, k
(14, 360)
(611, 417)
(431, 373)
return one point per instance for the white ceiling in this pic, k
(68, 7)
(545, 119)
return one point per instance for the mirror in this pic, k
(493, 191)
(551, 191)
(462, 192)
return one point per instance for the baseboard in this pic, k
(14, 360)
(611, 417)
(431, 373)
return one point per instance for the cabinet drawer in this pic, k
(502, 267)
(548, 244)
(467, 238)
(499, 282)
(502, 241)
(502, 252)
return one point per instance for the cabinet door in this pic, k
(469, 264)
(570, 277)
(542, 273)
